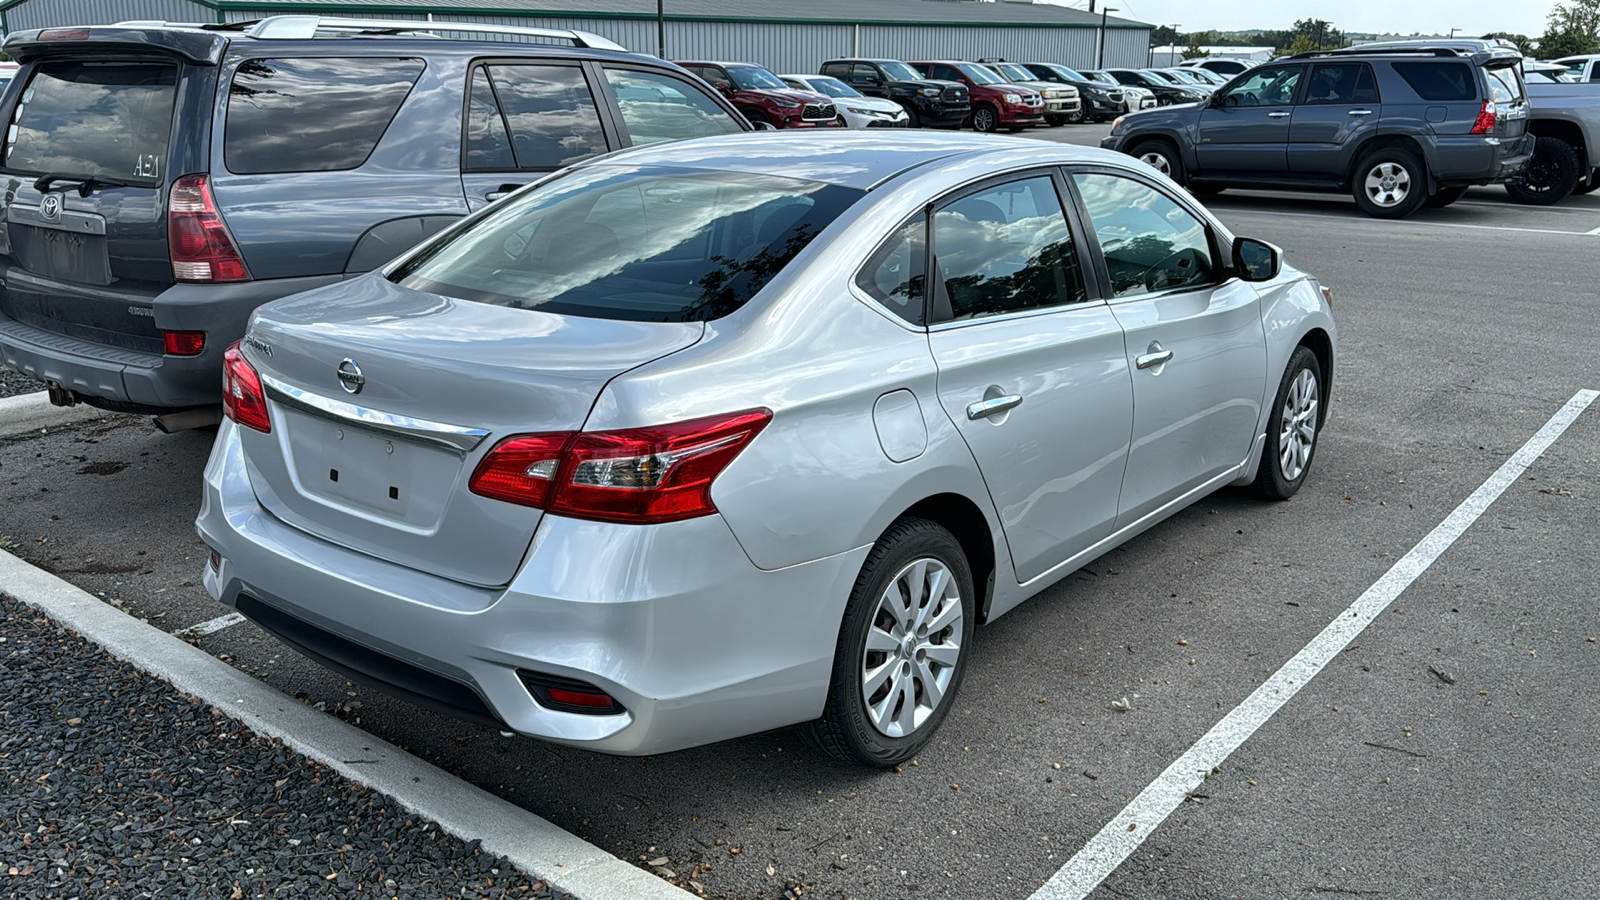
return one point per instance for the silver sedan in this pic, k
(703, 439)
(857, 109)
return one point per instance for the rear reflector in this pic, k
(568, 694)
(64, 34)
(242, 398)
(1485, 121)
(202, 250)
(638, 475)
(183, 343)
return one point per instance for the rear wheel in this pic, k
(1552, 174)
(1389, 183)
(902, 648)
(1445, 197)
(1292, 432)
(985, 118)
(1161, 156)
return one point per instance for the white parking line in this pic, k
(1423, 222)
(208, 627)
(1122, 835)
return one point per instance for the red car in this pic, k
(996, 104)
(763, 97)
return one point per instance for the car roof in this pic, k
(855, 159)
(716, 62)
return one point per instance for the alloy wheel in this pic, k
(1157, 161)
(1298, 421)
(1388, 184)
(912, 647)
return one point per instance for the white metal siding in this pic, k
(51, 13)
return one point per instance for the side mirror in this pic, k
(1256, 260)
(723, 87)
(763, 126)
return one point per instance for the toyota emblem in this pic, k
(50, 206)
(350, 377)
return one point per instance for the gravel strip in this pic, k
(117, 785)
(13, 383)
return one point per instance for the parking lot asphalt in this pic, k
(1447, 752)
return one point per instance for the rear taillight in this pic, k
(242, 398)
(202, 250)
(64, 34)
(1485, 121)
(638, 475)
(183, 343)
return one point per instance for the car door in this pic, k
(1246, 126)
(1032, 369)
(866, 78)
(1195, 342)
(525, 118)
(1338, 109)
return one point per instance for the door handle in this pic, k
(501, 191)
(983, 409)
(1151, 360)
(1278, 114)
(1360, 112)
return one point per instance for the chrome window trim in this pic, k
(456, 437)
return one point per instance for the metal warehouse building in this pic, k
(784, 35)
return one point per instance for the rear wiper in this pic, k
(86, 183)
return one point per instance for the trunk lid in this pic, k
(385, 469)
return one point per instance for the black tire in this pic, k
(985, 118)
(1079, 117)
(756, 117)
(1289, 411)
(846, 729)
(1160, 155)
(1445, 197)
(1589, 184)
(911, 113)
(1056, 121)
(1552, 174)
(1403, 197)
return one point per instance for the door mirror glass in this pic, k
(724, 87)
(1256, 260)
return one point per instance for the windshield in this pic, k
(1162, 77)
(1104, 77)
(833, 87)
(979, 74)
(1014, 72)
(754, 78)
(106, 120)
(642, 244)
(1185, 77)
(1069, 74)
(899, 71)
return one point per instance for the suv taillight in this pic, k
(636, 476)
(1486, 116)
(242, 398)
(202, 250)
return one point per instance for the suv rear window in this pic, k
(312, 114)
(642, 244)
(1439, 82)
(109, 120)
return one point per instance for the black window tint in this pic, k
(1265, 86)
(1439, 82)
(1341, 83)
(488, 143)
(552, 116)
(312, 114)
(864, 73)
(1150, 243)
(108, 120)
(1004, 249)
(657, 107)
(894, 276)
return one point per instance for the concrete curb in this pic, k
(31, 412)
(540, 849)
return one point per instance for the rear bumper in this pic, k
(696, 643)
(1480, 160)
(153, 381)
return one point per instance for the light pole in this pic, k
(661, 28)
(1104, 11)
(1174, 27)
(1453, 33)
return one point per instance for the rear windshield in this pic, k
(1439, 82)
(654, 245)
(109, 120)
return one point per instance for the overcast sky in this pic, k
(1473, 17)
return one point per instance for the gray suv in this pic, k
(256, 160)
(1397, 129)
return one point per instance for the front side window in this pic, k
(549, 112)
(1150, 243)
(1265, 86)
(894, 276)
(1341, 83)
(657, 107)
(654, 245)
(1004, 249)
(109, 120)
(312, 114)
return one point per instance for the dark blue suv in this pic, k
(162, 181)
(1396, 129)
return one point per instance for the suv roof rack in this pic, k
(296, 28)
(1347, 51)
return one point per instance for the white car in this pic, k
(857, 109)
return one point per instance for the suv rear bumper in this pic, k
(1480, 160)
(132, 379)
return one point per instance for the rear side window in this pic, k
(109, 120)
(531, 117)
(311, 114)
(894, 275)
(1004, 249)
(657, 107)
(1439, 82)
